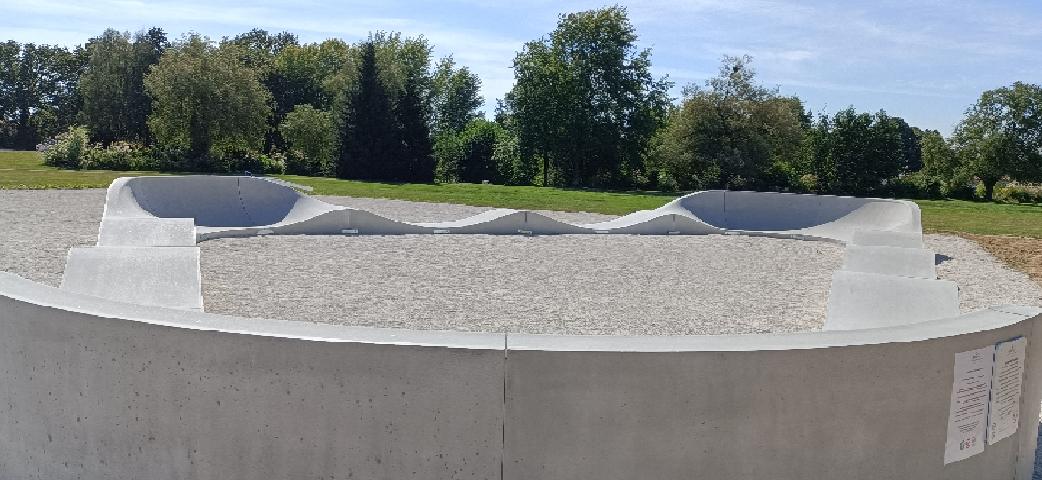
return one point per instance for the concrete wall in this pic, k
(97, 389)
(94, 389)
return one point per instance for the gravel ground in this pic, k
(690, 284)
(38, 227)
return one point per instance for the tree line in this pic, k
(584, 112)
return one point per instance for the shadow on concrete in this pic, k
(939, 259)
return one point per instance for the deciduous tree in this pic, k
(205, 99)
(585, 100)
(1001, 136)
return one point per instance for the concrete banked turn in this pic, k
(147, 251)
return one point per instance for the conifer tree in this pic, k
(369, 144)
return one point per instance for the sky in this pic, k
(926, 61)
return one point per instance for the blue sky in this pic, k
(923, 60)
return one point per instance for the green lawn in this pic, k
(958, 216)
(25, 170)
(530, 198)
(22, 170)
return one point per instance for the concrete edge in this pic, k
(18, 288)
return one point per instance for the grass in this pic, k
(525, 198)
(23, 170)
(982, 218)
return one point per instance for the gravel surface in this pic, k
(38, 227)
(568, 284)
(596, 284)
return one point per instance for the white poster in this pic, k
(1004, 411)
(968, 414)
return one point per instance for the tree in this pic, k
(415, 163)
(310, 131)
(38, 90)
(115, 104)
(384, 110)
(206, 99)
(455, 97)
(731, 133)
(585, 101)
(913, 152)
(854, 153)
(369, 141)
(1001, 136)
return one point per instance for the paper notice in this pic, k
(968, 414)
(1004, 411)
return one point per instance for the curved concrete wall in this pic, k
(237, 206)
(98, 389)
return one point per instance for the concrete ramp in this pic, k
(905, 262)
(870, 300)
(147, 232)
(154, 276)
(820, 217)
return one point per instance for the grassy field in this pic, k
(524, 198)
(23, 170)
(981, 218)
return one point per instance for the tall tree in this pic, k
(115, 104)
(206, 99)
(913, 152)
(455, 97)
(585, 101)
(415, 163)
(731, 132)
(1001, 136)
(369, 143)
(38, 89)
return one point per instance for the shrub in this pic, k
(67, 150)
(118, 156)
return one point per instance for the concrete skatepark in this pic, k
(863, 398)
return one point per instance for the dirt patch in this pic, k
(1020, 253)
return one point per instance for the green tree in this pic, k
(384, 110)
(1001, 136)
(38, 90)
(115, 104)
(369, 142)
(733, 133)
(913, 152)
(312, 132)
(206, 99)
(855, 153)
(415, 163)
(455, 97)
(585, 102)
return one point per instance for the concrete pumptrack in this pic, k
(119, 374)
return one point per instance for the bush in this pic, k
(67, 150)
(118, 156)
(1019, 193)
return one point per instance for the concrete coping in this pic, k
(20, 289)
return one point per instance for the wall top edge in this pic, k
(20, 289)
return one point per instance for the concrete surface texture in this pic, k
(224, 397)
(102, 389)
